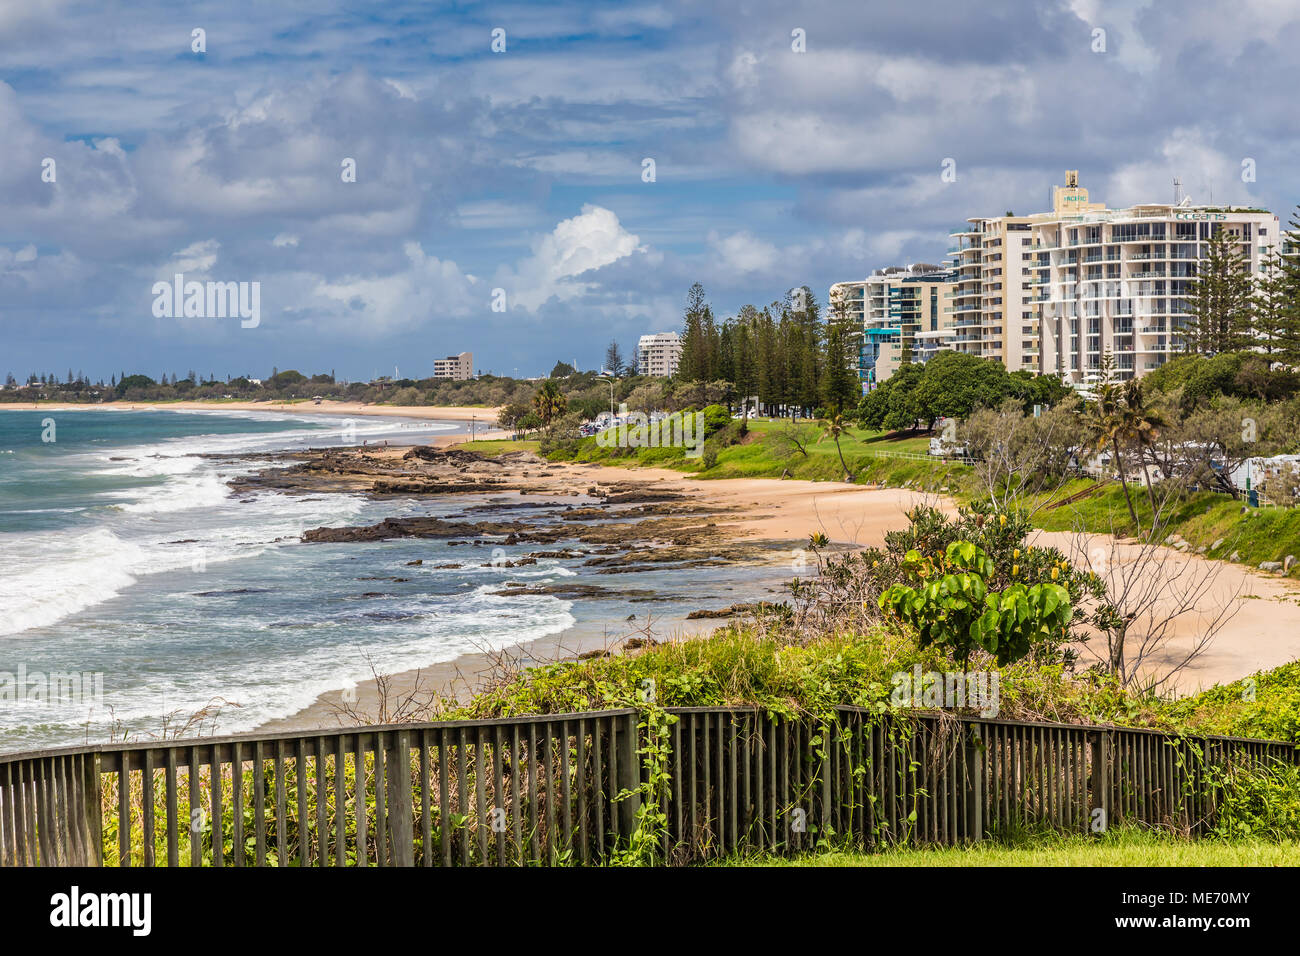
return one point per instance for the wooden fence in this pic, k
(564, 789)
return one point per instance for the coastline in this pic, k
(776, 516)
(728, 515)
(1264, 631)
(467, 674)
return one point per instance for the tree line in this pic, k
(782, 356)
(1230, 311)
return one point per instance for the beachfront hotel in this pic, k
(659, 353)
(1055, 291)
(903, 317)
(1117, 280)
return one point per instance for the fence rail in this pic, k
(565, 788)
(922, 456)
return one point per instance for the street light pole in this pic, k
(611, 395)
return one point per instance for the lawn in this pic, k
(496, 447)
(1132, 848)
(1204, 519)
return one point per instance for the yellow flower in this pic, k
(1004, 520)
(1015, 553)
(1015, 569)
(1055, 573)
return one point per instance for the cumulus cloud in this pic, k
(477, 171)
(578, 246)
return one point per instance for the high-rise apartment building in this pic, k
(993, 300)
(659, 354)
(1056, 291)
(1117, 280)
(903, 317)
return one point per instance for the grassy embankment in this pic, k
(1206, 520)
(779, 673)
(761, 455)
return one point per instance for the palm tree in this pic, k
(1106, 427)
(1121, 417)
(836, 428)
(1141, 424)
(549, 403)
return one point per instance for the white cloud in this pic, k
(587, 242)
(284, 240)
(742, 252)
(1205, 172)
(197, 258)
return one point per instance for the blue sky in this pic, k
(522, 170)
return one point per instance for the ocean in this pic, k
(137, 590)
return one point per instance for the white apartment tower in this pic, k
(1117, 280)
(904, 316)
(658, 354)
(1054, 292)
(993, 296)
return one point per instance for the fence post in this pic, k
(1099, 781)
(93, 810)
(976, 782)
(401, 826)
(629, 771)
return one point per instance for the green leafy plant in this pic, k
(951, 606)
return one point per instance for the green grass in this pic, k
(1123, 848)
(496, 447)
(759, 454)
(1203, 519)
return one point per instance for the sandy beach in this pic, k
(1263, 630)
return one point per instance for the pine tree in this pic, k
(1269, 306)
(1289, 326)
(1219, 299)
(691, 367)
(840, 385)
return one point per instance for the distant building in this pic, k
(658, 354)
(454, 366)
(903, 314)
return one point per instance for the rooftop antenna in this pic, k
(1178, 191)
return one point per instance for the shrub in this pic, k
(952, 606)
